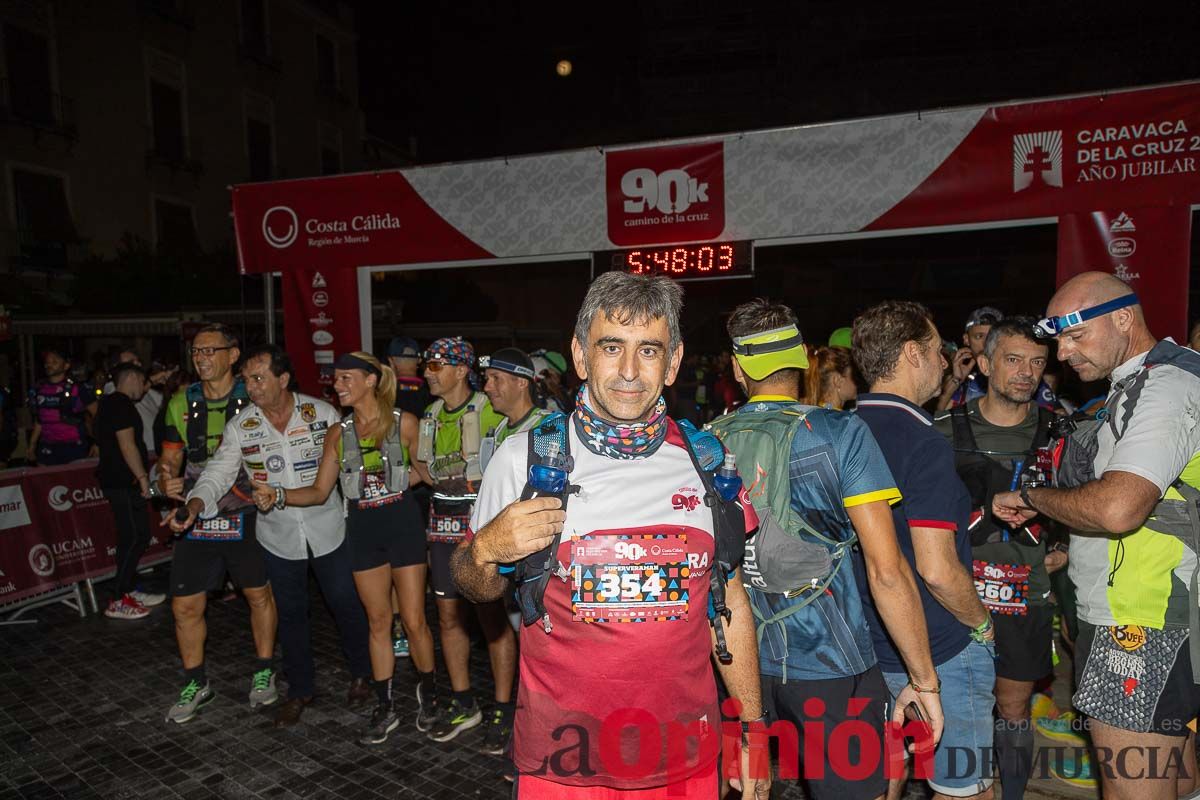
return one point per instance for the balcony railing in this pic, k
(177, 155)
(42, 111)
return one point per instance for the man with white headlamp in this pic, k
(1128, 484)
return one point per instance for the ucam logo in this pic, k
(41, 560)
(276, 218)
(1037, 158)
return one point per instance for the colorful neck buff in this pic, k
(625, 440)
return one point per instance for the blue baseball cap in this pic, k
(403, 347)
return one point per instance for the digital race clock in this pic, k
(685, 262)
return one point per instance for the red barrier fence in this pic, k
(56, 529)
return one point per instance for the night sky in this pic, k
(476, 79)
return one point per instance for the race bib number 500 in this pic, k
(629, 578)
(449, 528)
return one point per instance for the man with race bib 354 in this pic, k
(196, 419)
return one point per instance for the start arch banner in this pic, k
(1120, 150)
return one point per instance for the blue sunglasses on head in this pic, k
(1053, 326)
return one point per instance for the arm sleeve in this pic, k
(220, 472)
(864, 472)
(928, 498)
(1163, 433)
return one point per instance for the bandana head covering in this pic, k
(451, 350)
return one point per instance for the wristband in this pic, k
(1025, 497)
(280, 498)
(980, 633)
(922, 690)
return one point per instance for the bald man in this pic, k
(1126, 497)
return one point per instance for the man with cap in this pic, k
(510, 384)
(412, 395)
(830, 491)
(449, 443)
(840, 338)
(963, 383)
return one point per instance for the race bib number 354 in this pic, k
(629, 578)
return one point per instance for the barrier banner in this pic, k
(321, 321)
(56, 528)
(1148, 248)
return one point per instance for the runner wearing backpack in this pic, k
(617, 561)
(820, 486)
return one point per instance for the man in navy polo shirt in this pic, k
(898, 351)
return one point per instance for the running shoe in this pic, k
(497, 729)
(126, 608)
(262, 688)
(1076, 773)
(383, 722)
(400, 647)
(192, 698)
(148, 599)
(1042, 707)
(1064, 728)
(427, 710)
(455, 719)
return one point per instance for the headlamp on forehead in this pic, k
(1053, 326)
(760, 354)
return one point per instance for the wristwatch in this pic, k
(1025, 496)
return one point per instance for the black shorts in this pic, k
(439, 571)
(784, 702)
(1139, 680)
(388, 534)
(1023, 644)
(199, 566)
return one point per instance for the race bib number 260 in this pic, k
(629, 578)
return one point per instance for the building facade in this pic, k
(123, 123)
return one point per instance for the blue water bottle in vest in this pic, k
(727, 481)
(549, 478)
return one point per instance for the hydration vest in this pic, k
(788, 555)
(533, 572)
(352, 471)
(465, 462)
(1075, 456)
(197, 417)
(984, 476)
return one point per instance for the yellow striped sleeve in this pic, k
(892, 495)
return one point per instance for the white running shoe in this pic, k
(148, 599)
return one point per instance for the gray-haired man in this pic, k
(635, 544)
